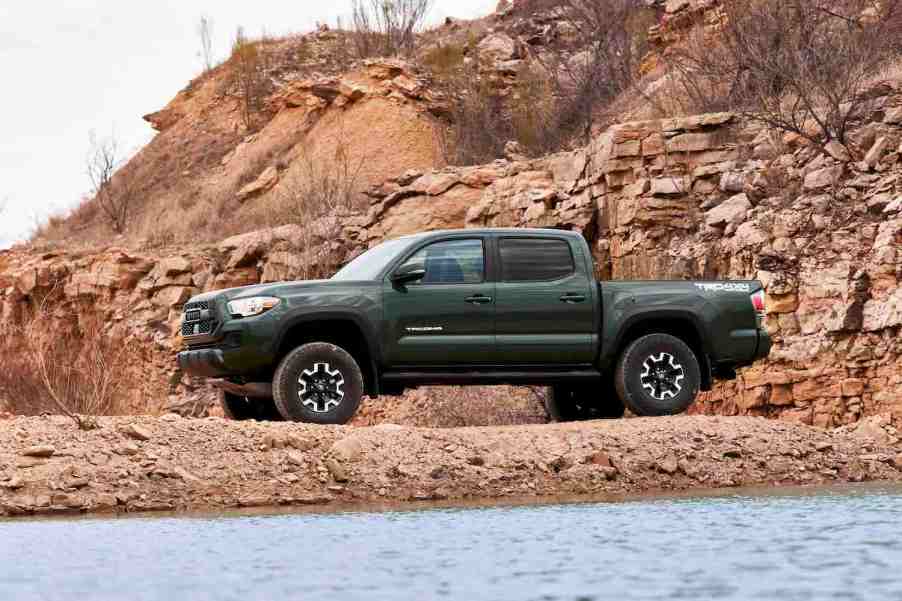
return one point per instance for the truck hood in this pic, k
(274, 289)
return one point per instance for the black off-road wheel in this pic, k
(318, 383)
(658, 375)
(565, 403)
(241, 408)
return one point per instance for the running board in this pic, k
(436, 378)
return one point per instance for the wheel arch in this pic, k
(345, 330)
(679, 324)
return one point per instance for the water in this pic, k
(839, 545)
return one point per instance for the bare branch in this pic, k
(114, 196)
(205, 33)
(795, 65)
(387, 27)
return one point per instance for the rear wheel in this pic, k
(318, 383)
(565, 403)
(242, 408)
(658, 375)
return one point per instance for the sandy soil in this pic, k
(139, 464)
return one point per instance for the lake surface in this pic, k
(845, 544)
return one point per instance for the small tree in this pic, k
(387, 27)
(799, 66)
(205, 33)
(114, 196)
(249, 72)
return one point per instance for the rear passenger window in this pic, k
(535, 259)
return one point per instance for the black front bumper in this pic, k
(206, 363)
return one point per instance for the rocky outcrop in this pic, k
(703, 197)
(131, 465)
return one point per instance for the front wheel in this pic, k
(658, 375)
(318, 383)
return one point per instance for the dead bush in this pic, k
(320, 189)
(75, 370)
(795, 65)
(249, 62)
(387, 27)
(611, 39)
(115, 196)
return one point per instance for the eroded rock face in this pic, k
(671, 198)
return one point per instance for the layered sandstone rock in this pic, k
(708, 196)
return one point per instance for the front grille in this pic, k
(199, 319)
(197, 328)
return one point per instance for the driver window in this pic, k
(451, 262)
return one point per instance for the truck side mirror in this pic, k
(411, 272)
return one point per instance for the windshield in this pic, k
(370, 264)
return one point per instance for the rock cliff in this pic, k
(709, 196)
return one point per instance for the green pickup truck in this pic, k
(476, 306)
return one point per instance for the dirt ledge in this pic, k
(141, 464)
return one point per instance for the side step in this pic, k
(438, 378)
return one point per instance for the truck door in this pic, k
(545, 307)
(448, 316)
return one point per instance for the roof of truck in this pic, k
(520, 231)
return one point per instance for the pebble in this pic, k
(137, 432)
(43, 451)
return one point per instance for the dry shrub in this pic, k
(444, 59)
(116, 197)
(795, 65)
(76, 369)
(320, 189)
(249, 72)
(387, 27)
(611, 39)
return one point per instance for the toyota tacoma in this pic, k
(475, 306)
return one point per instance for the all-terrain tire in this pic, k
(657, 375)
(241, 408)
(318, 383)
(580, 403)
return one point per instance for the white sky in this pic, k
(69, 67)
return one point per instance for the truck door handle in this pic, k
(479, 299)
(573, 298)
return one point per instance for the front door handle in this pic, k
(479, 299)
(573, 298)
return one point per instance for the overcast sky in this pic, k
(69, 67)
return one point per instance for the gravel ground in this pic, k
(140, 464)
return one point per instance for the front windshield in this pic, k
(370, 264)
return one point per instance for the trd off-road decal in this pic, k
(724, 287)
(425, 329)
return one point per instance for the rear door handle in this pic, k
(479, 299)
(573, 298)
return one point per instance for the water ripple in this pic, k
(845, 545)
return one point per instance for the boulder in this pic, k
(733, 210)
(266, 181)
(499, 47)
(668, 186)
(823, 178)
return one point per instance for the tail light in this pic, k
(758, 302)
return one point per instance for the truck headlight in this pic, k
(248, 307)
